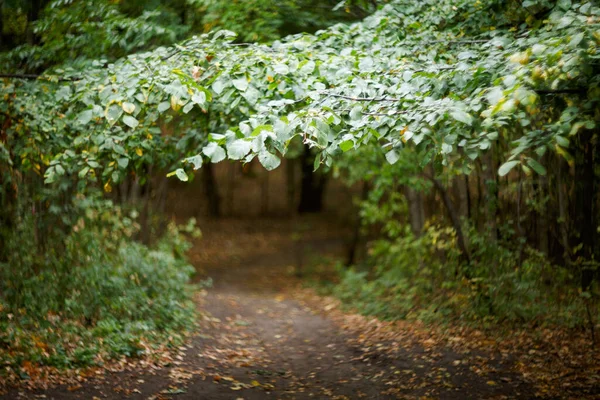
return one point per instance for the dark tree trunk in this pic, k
(313, 185)
(264, 194)
(416, 213)
(355, 240)
(451, 209)
(211, 191)
(33, 14)
(543, 222)
(290, 169)
(490, 186)
(585, 199)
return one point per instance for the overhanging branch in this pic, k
(36, 76)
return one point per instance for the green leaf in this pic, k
(199, 98)
(180, 173)
(281, 69)
(238, 149)
(164, 106)
(84, 117)
(268, 160)
(346, 145)
(83, 172)
(240, 84)
(123, 162)
(562, 141)
(462, 116)
(506, 167)
(392, 156)
(130, 121)
(113, 113)
(214, 152)
(195, 160)
(536, 166)
(128, 107)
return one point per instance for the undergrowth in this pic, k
(94, 294)
(423, 278)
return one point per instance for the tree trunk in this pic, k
(415, 210)
(585, 199)
(231, 188)
(211, 190)
(543, 222)
(290, 170)
(562, 212)
(264, 192)
(353, 247)
(490, 194)
(33, 15)
(313, 185)
(462, 244)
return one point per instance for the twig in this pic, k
(473, 41)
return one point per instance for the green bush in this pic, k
(423, 278)
(94, 294)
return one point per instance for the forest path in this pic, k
(262, 336)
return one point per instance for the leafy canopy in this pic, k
(443, 78)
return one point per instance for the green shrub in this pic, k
(422, 278)
(94, 294)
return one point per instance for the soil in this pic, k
(263, 335)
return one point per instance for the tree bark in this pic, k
(585, 199)
(353, 247)
(562, 213)
(313, 185)
(290, 170)
(543, 222)
(415, 210)
(211, 190)
(462, 244)
(490, 194)
(264, 194)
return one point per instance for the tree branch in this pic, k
(580, 90)
(35, 76)
(384, 98)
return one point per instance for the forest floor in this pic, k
(263, 335)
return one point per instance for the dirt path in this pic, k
(262, 337)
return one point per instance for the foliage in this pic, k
(96, 295)
(423, 278)
(264, 20)
(105, 33)
(454, 80)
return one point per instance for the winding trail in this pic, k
(262, 336)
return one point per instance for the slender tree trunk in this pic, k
(313, 185)
(353, 247)
(415, 210)
(490, 194)
(33, 15)
(462, 243)
(585, 199)
(264, 193)
(231, 188)
(462, 187)
(211, 190)
(562, 212)
(290, 170)
(543, 223)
